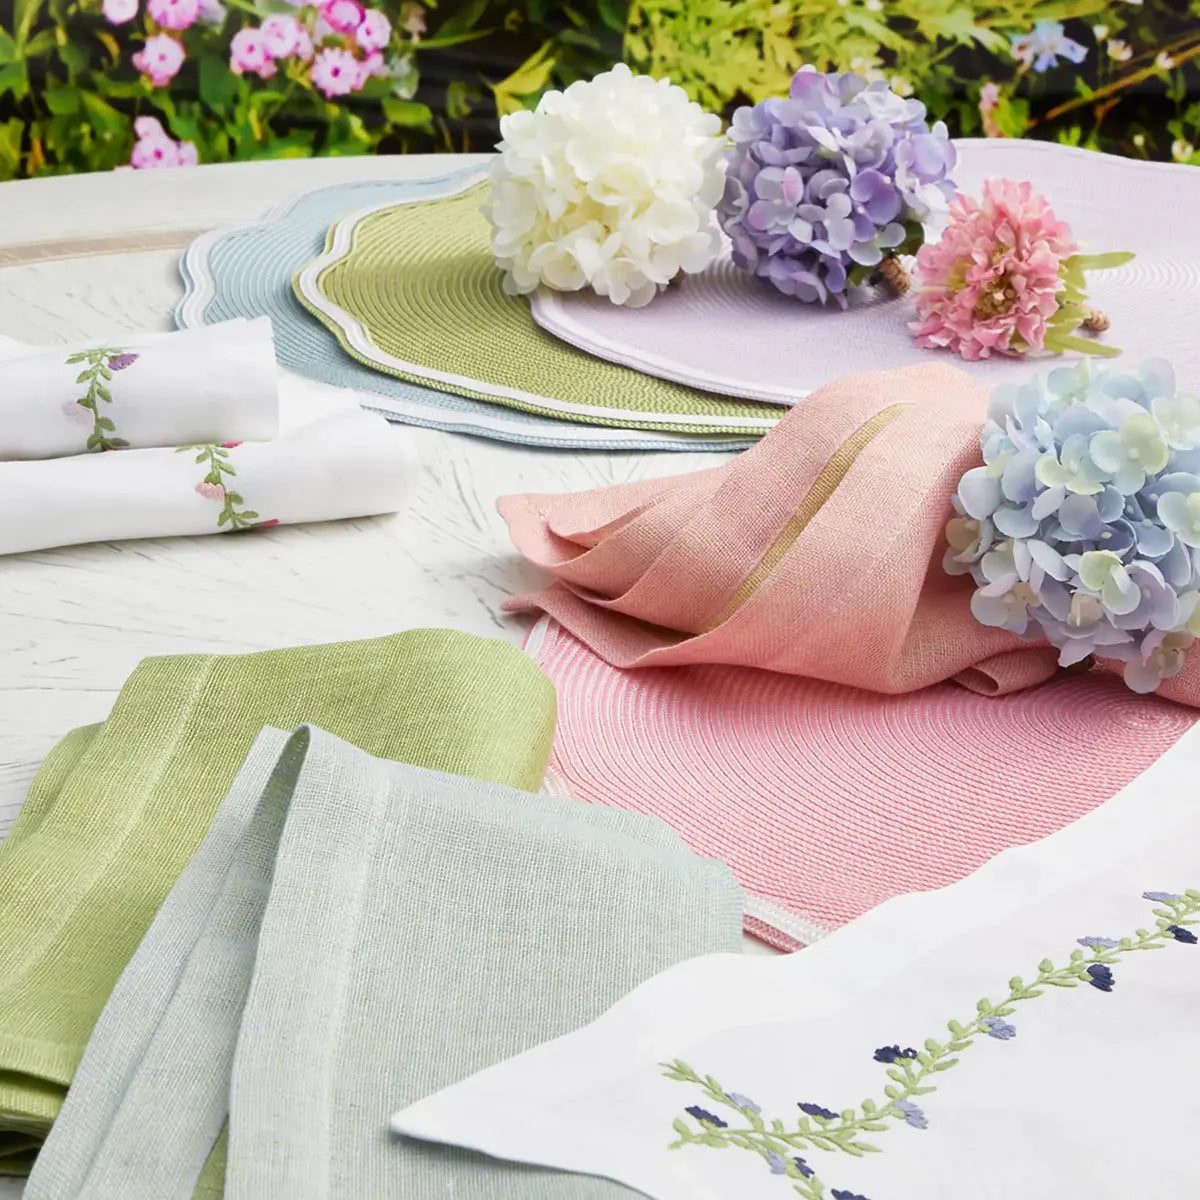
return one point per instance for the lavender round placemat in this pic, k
(726, 331)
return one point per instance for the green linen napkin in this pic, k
(118, 810)
(351, 935)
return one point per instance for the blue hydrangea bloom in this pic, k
(1180, 934)
(1099, 943)
(820, 186)
(1082, 524)
(1099, 976)
(889, 1054)
(912, 1114)
(816, 1110)
(740, 1101)
(704, 1116)
(998, 1028)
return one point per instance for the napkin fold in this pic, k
(351, 933)
(816, 552)
(218, 384)
(117, 811)
(350, 463)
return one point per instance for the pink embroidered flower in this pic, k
(155, 148)
(230, 445)
(160, 58)
(210, 491)
(375, 31)
(371, 67)
(117, 12)
(992, 281)
(267, 524)
(76, 413)
(335, 72)
(174, 14)
(248, 52)
(989, 101)
(343, 16)
(284, 37)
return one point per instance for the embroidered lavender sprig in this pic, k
(213, 487)
(101, 364)
(910, 1070)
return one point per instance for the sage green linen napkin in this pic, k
(118, 811)
(351, 935)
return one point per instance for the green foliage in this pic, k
(69, 93)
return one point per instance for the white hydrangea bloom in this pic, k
(611, 184)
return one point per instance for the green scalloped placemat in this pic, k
(412, 290)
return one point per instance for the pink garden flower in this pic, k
(156, 148)
(371, 67)
(335, 73)
(210, 12)
(342, 16)
(248, 51)
(284, 37)
(989, 100)
(174, 14)
(992, 281)
(210, 491)
(375, 31)
(117, 12)
(160, 58)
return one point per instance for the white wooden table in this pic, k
(75, 622)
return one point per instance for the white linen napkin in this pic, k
(1009, 1033)
(218, 383)
(351, 463)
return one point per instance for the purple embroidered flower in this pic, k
(803, 1167)
(1099, 943)
(75, 412)
(1099, 976)
(842, 1194)
(704, 1116)
(119, 362)
(740, 1101)
(997, 1028)
(1182, 935)
(912, 1114)
(1162, 897)
(889, 1054)
(816, 1110)
(777, 1163)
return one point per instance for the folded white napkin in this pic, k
(1007, 1036)
(217, 383)
(351, 463)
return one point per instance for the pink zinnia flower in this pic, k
(343, 16)
(160, 58)
(284, 37)
(210, 491)
(174, 14)
(117, 12)
(992, 281)
(335, 72)
(248, 52)
(375, 31)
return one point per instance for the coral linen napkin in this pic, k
(1008, 1036)
(348, 932)
(348, 464)
(816, 552)
(218, 384)
(117, 811)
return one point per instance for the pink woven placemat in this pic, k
(826, 800)
(725, 331)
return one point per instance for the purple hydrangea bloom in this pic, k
(1182, 935)
(912, 1114)
(998, 1028)
(821, 186)
(740, 1101)
(704, 1116)
(1098, 943)
(119, 362)
(1162, 897)
(889, 1054)
(816, 1110)
(1099, 976)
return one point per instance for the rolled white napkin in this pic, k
(216, 383)
(351, 463)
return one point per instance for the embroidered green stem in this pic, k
(911, 1071)
(214, 487)
(97, 374)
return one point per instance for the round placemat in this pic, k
(725, 331)
(247, 272)
(412, 289)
